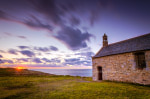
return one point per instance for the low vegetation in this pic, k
(37, 85)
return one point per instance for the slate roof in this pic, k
(130, 45)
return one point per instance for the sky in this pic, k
(66, 33)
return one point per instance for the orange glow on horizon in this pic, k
(20, 68)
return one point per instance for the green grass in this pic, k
(67, 87)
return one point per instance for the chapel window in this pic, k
(140, 60)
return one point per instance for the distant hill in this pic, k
(21, 72)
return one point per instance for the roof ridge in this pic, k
(128, 39)
(138, 43)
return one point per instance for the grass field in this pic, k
(37, 85)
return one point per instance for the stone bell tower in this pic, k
(105, 41)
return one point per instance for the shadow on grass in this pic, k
(26, 85)
(18, 95)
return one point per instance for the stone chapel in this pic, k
(125, 61)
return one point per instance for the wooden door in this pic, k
(99, 73)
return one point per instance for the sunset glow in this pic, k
(20, 67)
(66, 33)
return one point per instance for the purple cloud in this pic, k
(55, 60)
(34, 22)
(22, 37)
(74, 21)
(43, 49)
(1, 61)
(37, 60)
(73, 38)
(1, 56)
(53, 48)
(23, 47)
(50, 14)
(87, 54)
(13, 51)
(77, 61)
(7, 61)
(3, 15)
(46, 60)
(27, 53)
(56, 11)
(23, 59)
(2, 51)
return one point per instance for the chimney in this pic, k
(105, 41)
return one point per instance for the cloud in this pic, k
(27, 53)
(23, 59)
(47, 14)
(53, 48)
(37, 60)
(72, 60)
(74, 21)
(6, 61)
(3, 15)
(46, 60)
(46, 49)
(43, 49)
(34, 22)
(13, 51)
(1, 56)
(73, 38)
(49, 9)
(55, 60)
(8, 34)
(12, 35)
(53, 14)
(57, 11)
(77, 62)
(1, 61)
(22, 37)
(87, 54)
(2, 51)
(23, 47)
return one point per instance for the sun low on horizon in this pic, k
(61, 34)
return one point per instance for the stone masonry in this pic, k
(122, 67)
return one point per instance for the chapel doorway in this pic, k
(100, 73)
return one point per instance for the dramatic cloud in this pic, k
(74, 21)
(53, 48)
(27, 53)
(73, 38)
(3, 15)
(51, 14)
(12, 51)
(56, 11)
(1, 56)
(23, 47)
(34, 22)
